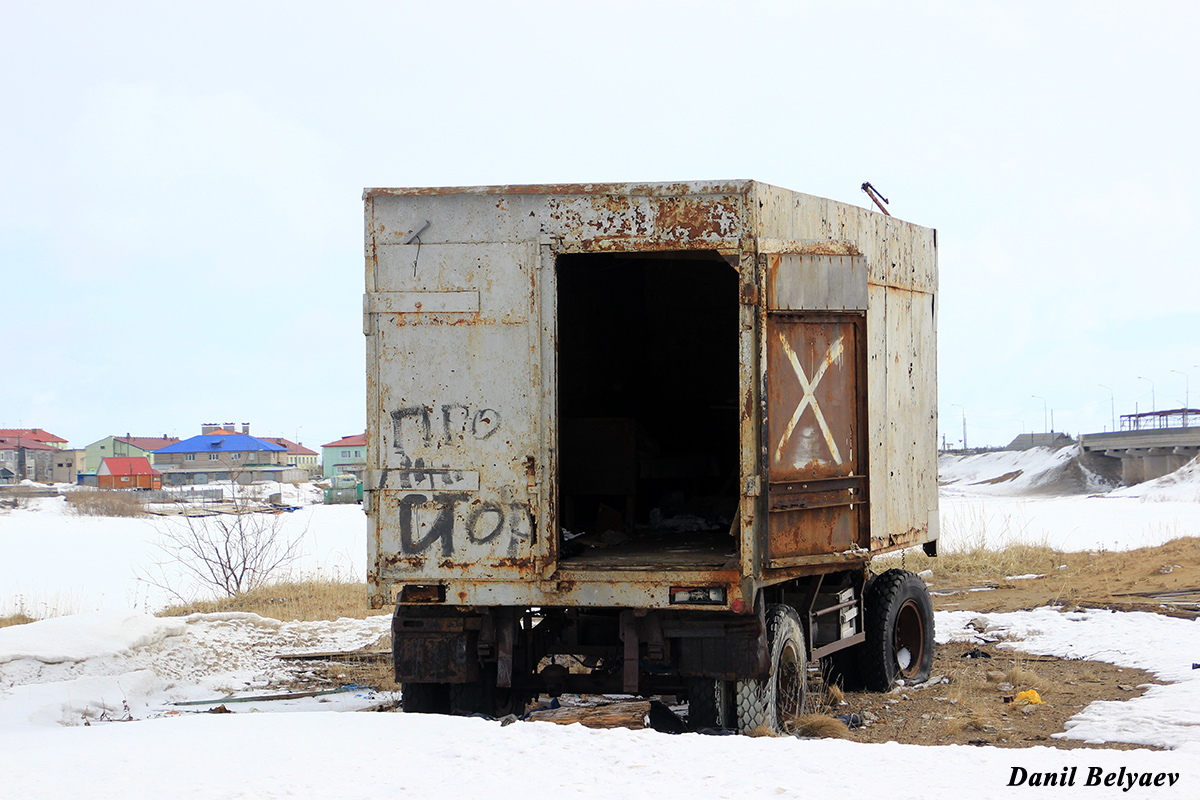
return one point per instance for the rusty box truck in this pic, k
(646, 439)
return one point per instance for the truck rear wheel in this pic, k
(770, 705)
(899, 629)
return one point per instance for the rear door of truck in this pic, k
(457, 411)
(815, 421)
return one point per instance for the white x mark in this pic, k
(809, 399)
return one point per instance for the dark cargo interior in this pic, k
(647, 408)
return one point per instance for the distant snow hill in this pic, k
(1038, 471)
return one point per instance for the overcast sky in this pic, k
(180, 184)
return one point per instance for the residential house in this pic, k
(36, 435)
(68, 465)
(224, 456)
(126, 446)
(22, 459)
(128, 473)
(346, 456)
(298, 455)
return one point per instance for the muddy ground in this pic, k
(976, 701)
(975, 704)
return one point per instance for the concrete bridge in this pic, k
(1149, 445)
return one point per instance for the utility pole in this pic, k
(964, 418)
(1112, 406)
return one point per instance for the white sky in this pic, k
(181, 223)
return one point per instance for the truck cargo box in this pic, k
(657, 396)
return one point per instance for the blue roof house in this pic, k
(224, 456)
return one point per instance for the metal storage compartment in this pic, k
(611, 359)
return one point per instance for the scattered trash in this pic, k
(976, 653)
(851, 721)
(1031, 697)
(934, 681)
(663, 719)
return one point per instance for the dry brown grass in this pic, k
(15, 619)
(105, 503)
(819, 726)
(763, 731)
(977, 565)
(973, 719)
(1023, 678)
(298, 600)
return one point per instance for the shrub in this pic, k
(105, 503)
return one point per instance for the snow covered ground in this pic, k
(54, 562)
(66, 683)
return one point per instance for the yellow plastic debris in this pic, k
(1031, 697)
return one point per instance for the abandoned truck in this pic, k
(647, 439)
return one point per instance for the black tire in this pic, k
(771, 704)
(899, 628)
(425, 698)
(709, 703)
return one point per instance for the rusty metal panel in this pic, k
(911, 390)
(815, 411)
(458, 417)
(459, 314)
(816, 282)
(900, 346)
(580, 218)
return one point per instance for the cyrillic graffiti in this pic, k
(452, 521)
(417, 426)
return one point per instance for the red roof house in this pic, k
(128, 473)
(36, 434)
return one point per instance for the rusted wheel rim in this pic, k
(910, 636)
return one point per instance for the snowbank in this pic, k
(88, 668)
(1038, 470)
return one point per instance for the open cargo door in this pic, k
(454, 352)
(815, 351)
